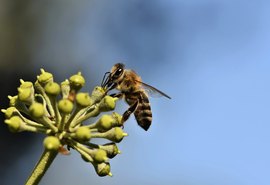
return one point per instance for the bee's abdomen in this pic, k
(143, 112)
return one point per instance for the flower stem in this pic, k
(41, 167)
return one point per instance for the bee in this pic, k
(134, 91)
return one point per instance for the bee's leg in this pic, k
(128, 112)
(111, 87)
(117, 95)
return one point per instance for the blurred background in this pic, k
(212, 58)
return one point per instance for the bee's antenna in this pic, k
(105, 79)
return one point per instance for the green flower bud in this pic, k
(15, 102)
(25, 85)
(83, 99)
(117, 119)
(65, 88)
(105, 123)
(98, 93)
(116, 134)
(36, 110)
(51, 143)
(9, 111)
(83, 134)
(100, 156)
(65, 106)
(14, 123)
(12, 100)
(77, 81)
(44, 77)
(103, 169)
(25, 94)
(111, 149)
(52, 88)
(107, 103)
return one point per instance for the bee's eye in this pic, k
(118, 72)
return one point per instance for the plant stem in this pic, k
(41, 167)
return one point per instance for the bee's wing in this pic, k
(152, 91)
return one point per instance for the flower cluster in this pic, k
(59, 111)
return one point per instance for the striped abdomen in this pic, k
(143, 112)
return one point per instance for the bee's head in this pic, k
(111, 77)
(116, 71)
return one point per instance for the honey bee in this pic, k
(134, 91)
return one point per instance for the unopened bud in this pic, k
(36, 110)
(103, 169)
(83, 134)
(12, 100)
(9, 111)
(83, 99)
(25, 94)
(116, 134)
(52, 88)
(77, 81)
(26, 84)
(98, 93)
(99, 156)
(111, 149)
(105, 123)
(107, 103)
(14, 123)
(65, 106)
(51, 143)
(65, 89)
(44, 77)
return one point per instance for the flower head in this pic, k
(60, 111)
